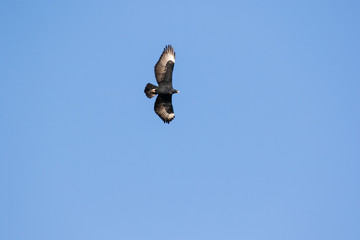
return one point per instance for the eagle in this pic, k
(163, 74)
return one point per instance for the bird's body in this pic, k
(163, 74)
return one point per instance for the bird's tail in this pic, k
(150, 90)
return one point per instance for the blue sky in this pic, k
(265, 143)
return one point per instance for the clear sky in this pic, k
(266, 140)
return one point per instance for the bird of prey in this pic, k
(163, 74)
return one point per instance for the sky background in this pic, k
(265, 143)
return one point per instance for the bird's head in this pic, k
(175, 91)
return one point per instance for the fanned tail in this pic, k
(150, 90)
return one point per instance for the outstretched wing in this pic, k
(164, 67)
(163, 107)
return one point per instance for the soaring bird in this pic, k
(163, 74)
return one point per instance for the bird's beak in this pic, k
(177, 91)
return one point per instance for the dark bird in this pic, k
(163, 74)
